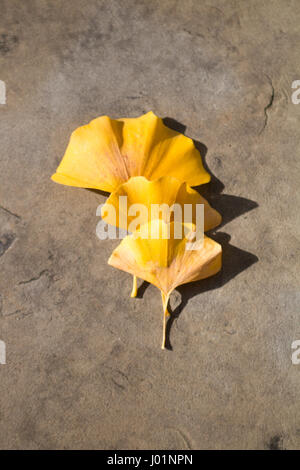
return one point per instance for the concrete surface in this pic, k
(84, 365)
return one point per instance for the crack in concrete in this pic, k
(118, 385)
(11, 213)
(6, 241)
(182, 435)
(269, 105)
(199, 35)
(17, 312)
(45, 271)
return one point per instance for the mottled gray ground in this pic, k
(84, 365)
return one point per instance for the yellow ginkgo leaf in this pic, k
(166, 262)
(106, 153)
(158, 199)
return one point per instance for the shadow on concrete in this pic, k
(229, 206)
(234, 259)
(234, 262)
(99, 191)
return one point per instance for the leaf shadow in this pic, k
(234, 259)
(230, 207)
(234, 262)
(99, 192)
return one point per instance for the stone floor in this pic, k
(84, 368)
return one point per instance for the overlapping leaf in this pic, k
(106, 153)
(159, 194)
(166, 262)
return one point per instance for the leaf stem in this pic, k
(134, 287)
